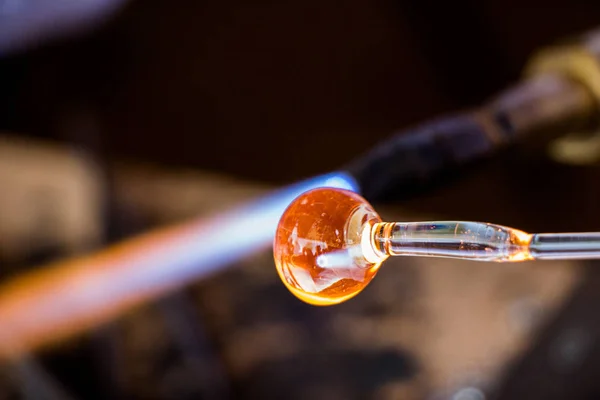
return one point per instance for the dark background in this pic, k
(275, 91)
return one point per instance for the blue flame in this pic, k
(222, 240)
(103, 287)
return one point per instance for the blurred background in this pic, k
(120, 116)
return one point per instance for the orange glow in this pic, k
(318, 246)
(521, 241)
(58, 301)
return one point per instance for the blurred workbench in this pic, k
(424, 327)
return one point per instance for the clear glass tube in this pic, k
(560, 246)
(331, 243)
(476, 241)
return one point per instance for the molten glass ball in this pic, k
(319, 246)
